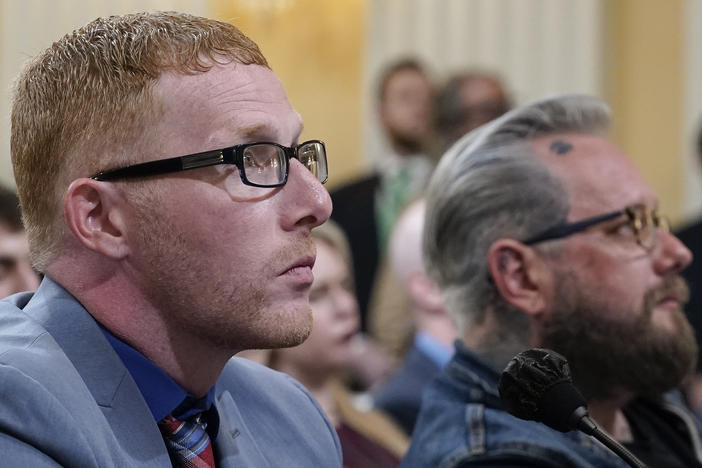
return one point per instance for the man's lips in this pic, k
(671, 301)
(301, 269)
(674, 293)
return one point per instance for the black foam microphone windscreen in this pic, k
(537, 385)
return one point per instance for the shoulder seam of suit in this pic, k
(28, 345)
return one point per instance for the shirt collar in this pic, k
(161, 393)
(416, 164)
(438, 353)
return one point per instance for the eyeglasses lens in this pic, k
(313, 156)
(646, 225)
(265, 164)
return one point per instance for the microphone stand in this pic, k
(537, 376)
(590, 427)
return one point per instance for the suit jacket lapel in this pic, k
(235, 447)
(103, 372)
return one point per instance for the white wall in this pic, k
(29, 26)
(538, 47)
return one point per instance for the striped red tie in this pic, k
(187, 442)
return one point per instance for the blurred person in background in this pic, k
(465, 102)
(434, 332)
(16, 272)
(366, 208)
(368, 438)
(691, 235)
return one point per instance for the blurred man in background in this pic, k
(16, 272)
(467, 101)
(691, 236)
(433, 331)
(367, 208)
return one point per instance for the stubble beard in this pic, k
(407, 143)
(612, 356)
(225, 313)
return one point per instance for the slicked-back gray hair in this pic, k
(491, 185)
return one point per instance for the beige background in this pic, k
(643, 56)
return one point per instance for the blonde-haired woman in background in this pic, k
(368, 438)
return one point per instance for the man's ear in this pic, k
(520, 275)
(95, 215)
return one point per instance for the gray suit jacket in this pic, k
(67, 399)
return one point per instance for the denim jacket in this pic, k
(461, 424)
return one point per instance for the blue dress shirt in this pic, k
(433, 349)
(161, 393)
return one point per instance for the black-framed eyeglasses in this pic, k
(260, 164)
(643, 222)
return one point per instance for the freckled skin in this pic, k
(336, 319)
(214, 251)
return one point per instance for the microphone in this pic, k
(537, 386)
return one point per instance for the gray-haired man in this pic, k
(541, 233)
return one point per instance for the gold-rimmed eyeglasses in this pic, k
(643, 221)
